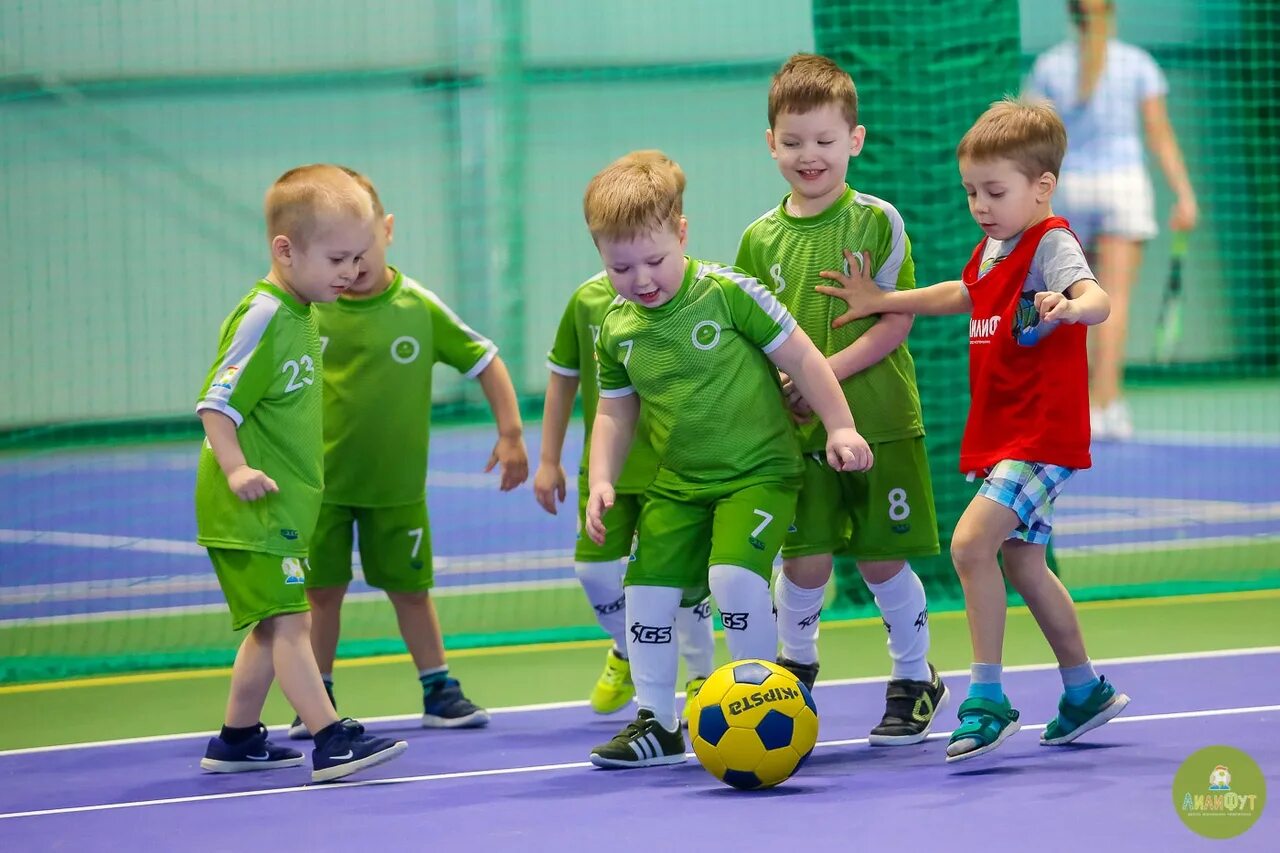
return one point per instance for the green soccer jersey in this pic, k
(574, 354)
(787, 253)
(378, 355)
(267, 379)
(699, 364)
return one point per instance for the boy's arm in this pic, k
(864, 298)
(549, 481)
(872, 345)
(611, 435)
(247, 483)
(803, 362)
(509, 453)
(1084, 302)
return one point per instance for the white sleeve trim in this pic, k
(887, 278)
(563, 371)
(783, 336)
(220, 406)
(613, 393)
(491, 352)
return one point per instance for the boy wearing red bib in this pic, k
(1030, 294)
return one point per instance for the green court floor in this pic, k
(145, 704)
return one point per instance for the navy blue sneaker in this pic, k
(298, 729)
(256, 753)
(349, 749)
(446, 708)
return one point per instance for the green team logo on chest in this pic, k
(405, 349)
(706, 334)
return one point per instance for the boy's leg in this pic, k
(820, 526)
(743, 596)
(242, 744)
(750, 526)
(670, 556)
(395, 552)
(798, 597)
(1088, 700)
(328, 575)
(600, 569)
(251, 678)
(697, 643)
(444, 706)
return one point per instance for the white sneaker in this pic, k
(1098, 424)
(1119, 420)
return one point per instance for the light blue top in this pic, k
(1103, 134)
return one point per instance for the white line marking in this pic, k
(1196, 544)
(1207, 438)
(1173, 657)
(545, 768)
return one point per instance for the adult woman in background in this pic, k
(1104, 88)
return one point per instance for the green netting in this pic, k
(136, 148)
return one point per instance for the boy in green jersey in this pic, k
(261, 473)
(884, 516)
(700, 344)
(600, 568)
(381, 339)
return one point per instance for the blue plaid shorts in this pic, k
(1029, 489)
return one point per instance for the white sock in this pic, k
(697, 642)
(743, 597)
(906, 618)
(602, 582)
(651, 645)
(798, 612)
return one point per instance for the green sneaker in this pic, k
(614, 689)
(1101, 706)
(984, 725)
(643, 743)
(690, 691)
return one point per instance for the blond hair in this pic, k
(1029, 133)
(367, 185)
(638, 193)
(809, 82)
(301, 197)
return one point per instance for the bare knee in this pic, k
(808, 572)
(970, 553)
(326, 598)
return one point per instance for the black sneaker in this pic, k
(256, 753)
(298, 729)
(446, 708)
(349, 749)
(643, 743)
(806, 672)
(910, 708)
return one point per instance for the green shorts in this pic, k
(886, 513)
(682, 534)
(619, 524)
(394, 541)
(258, 586)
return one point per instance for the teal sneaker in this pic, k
(1099, 707)
(984, 725)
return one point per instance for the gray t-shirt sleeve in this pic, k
(1058, 264)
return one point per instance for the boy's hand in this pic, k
(858, 289)
(549, 486)
(599, 502)
(513, 459)
(249, 484)
(847, 450)
(801, 412)
(1056, 308)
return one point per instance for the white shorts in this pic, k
(1115, 204)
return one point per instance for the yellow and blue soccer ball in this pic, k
(752, 724)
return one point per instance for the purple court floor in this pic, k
(523, 784)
